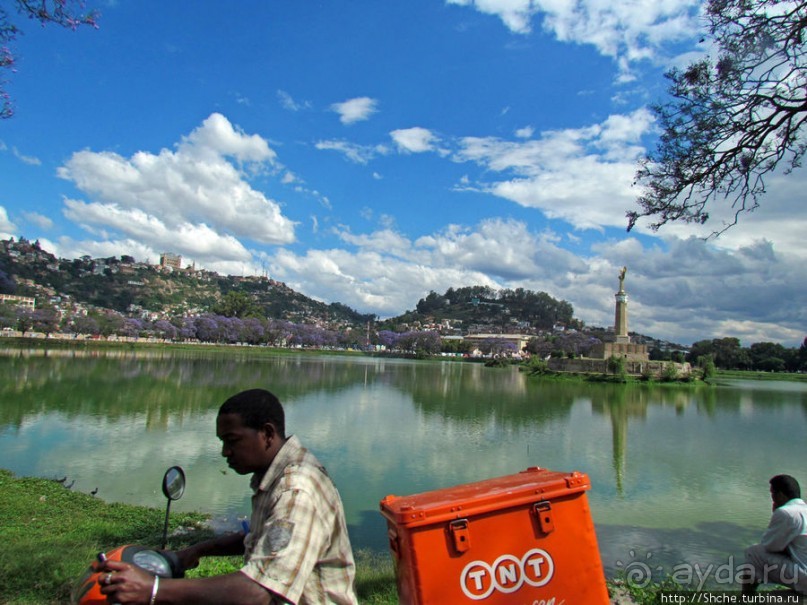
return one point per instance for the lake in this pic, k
(679, 475)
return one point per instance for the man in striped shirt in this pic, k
(297, 550)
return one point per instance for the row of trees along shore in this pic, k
(725, 353)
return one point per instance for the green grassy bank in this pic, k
(50, 534)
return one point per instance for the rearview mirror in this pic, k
(174, 483)
(173, 488)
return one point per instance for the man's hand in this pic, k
(125, 583)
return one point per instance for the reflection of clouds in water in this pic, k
(659, 459)
(126, 460)
(375, 442)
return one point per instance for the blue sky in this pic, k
(368, 152)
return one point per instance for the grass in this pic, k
(749, 375)
(50, 534)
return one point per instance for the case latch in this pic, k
(460, 534)
(543, 510)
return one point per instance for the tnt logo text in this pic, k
(507, 574)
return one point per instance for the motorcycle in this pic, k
(159, 562)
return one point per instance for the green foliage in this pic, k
(50, 535)
(481, 303)
(707, 365)
(616, 367)
(537, 366)
(237, 304)
(729, 354)
(669, 373)
(643, 593)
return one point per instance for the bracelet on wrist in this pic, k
(155, 587)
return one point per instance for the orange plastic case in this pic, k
(522, 539)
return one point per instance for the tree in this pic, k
(616, 366)
(46, 320)
(165, 329)
(433, 302)
(236, 304)
(84, 324)
(25, 319)
(732, 120)
(7, 285)
(65, 13)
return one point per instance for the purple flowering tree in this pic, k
(207, 328)
(131, 327)
(389, 339)
(253, 331)
(165, 329)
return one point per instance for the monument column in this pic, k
(621, 314)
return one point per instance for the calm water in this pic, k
(679, 475)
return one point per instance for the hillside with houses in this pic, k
(119, 295)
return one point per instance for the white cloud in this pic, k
(41, 221)
(26, 159)
(196, 240)
(195, 193)
(289, 103)
(525, 133)
(358, 154)
(7, 228)
(689, 291)
(355, 110)
(583, 176)
(216, 138)
(516, 14)
(414, 140)
(780, 219)
(626, 31)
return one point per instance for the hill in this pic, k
(142, 290)
(133, 288)
(483, 309)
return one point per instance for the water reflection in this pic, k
(680, 474)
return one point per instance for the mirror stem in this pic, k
(165, 527)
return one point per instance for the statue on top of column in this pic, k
(622, 279)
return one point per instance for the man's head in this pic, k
(252, 429)
(783, 489)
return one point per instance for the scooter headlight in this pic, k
(153, 562)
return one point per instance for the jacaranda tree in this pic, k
(733, 118)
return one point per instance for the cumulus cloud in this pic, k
(7, 228)
(680, 290)
(197, 197)
(355, 110)
(583, 176)
(414, 140)
(626, 31)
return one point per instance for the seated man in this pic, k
(781, 556)
(297, 550)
